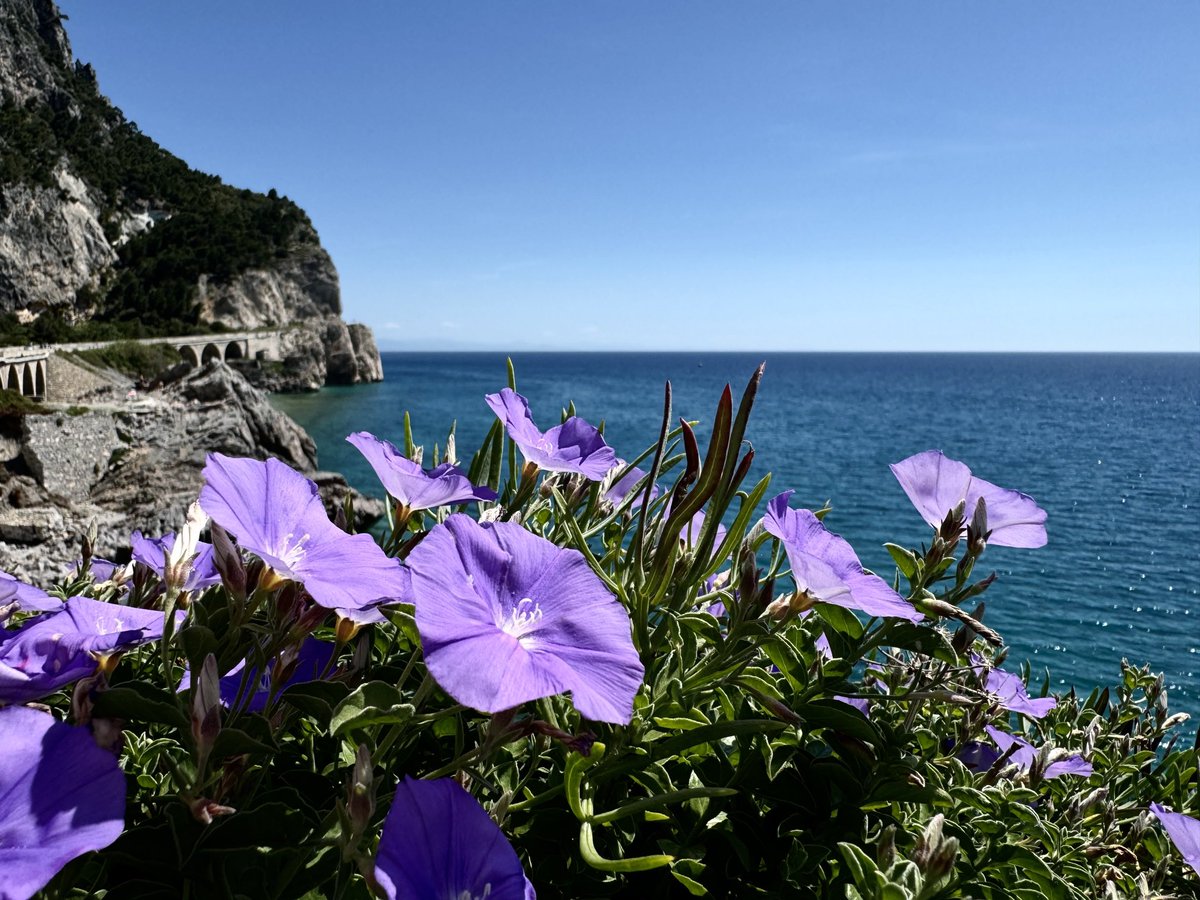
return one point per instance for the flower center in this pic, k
(467, 895)
(522, 620)
(544, 445)
(292, 552)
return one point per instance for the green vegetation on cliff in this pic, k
(206, 228)
(137, 360)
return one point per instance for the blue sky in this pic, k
(694, 175)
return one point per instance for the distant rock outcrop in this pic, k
(101, 228)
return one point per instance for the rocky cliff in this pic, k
(123, 462)
(104, 234)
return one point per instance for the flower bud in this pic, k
(204, 810)
(178, 560)
(269, 580)
(346, 629)
(229, 563)
(360, 793)
(935, 853)
(206, 707)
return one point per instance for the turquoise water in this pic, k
(1108, 444)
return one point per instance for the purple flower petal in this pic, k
(822, 645)
(977, 755)
(1070, 765)
(825, 565)
(936, 484)
(1025, 755)
(862, 704)
(1184, 832)
(574, 446)
(56, 649)
(26, 597)
(414, 487)
(60, 796)
(307, 664)
(691, 532)
(626, 483)
(506, 617)
(101, 569)
(1010, 691)
(276, 513)
(438, 842)
(151, 552)
(109, 627)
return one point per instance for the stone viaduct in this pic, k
(24, 369)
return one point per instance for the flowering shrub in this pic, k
(566, 674)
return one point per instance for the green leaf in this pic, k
(316, 698)
(235, 741)
(138, 701)
(922, 639)
(197, 642)
(840, 717)
(906, 560)
(373, 703)
(695, 888)
(841, 619)
(861, 867)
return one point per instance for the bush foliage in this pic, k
(137, 360)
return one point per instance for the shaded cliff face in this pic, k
(103, 234)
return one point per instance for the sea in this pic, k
(1108, 444)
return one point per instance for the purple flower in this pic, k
(151, 552)
(58, 648)
(622, 486)
(862, 704)
(18, 596)
(1010, 691)
(439, 842)
(297, 666)
(101, 569)
(1184, 832)
(936, 484)
(1025, 754)
(505, 617)
(692, 530)
(826, 567)
(60, 796)
(822, 646)
(975, 755)
(276, 513)
(414, 487)
(573, 446)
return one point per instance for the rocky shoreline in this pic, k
(118, 459)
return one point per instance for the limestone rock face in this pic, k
(69, 454)
(366, 353)
(300, 287)
(51, 243)
(28, 70)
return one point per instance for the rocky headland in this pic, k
(106, 236)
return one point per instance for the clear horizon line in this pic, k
(940, 352)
